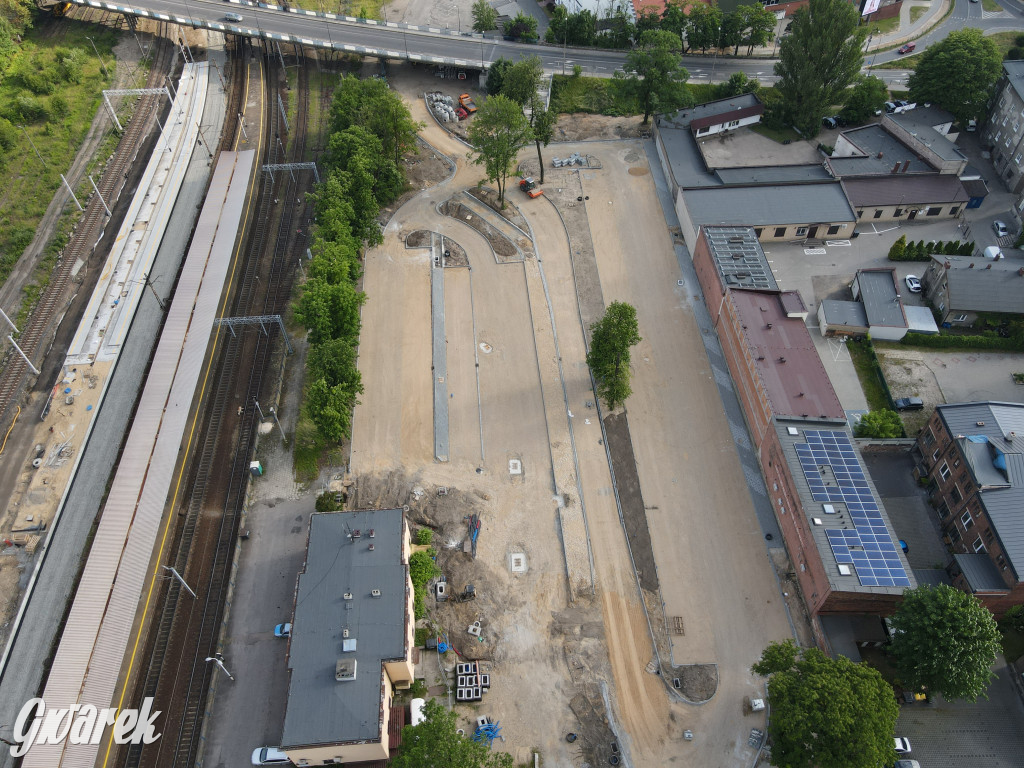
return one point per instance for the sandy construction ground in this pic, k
(518, 388)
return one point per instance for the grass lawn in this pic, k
(1006, 40)
(904, 62)
(917, 12)
(886, 26)
(596, 95)
(368, 9)
(991, 6)
(1013, 645)
(776, 134)
(867, 372)
(56, 113)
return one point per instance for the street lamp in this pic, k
(218, 659)
(714, 59)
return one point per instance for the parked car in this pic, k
(906, 48)
(890, 107)
(233, 17)
(269, 756)
(1000, 228)
(902, 744)
(283, 630)
(972, 125)
(913, 283)
(913, 763)
(829, 122)
(841, 121)
(907, 404)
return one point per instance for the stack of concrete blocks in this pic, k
(565, 162)
(471, 684)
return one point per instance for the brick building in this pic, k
(973, 453)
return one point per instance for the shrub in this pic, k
(422, 567)
(1015, 54)
(1013, 619)
(59, 108)
(325, 502)
(951, 341)
(424, 536)
(28, 109)
(1019, 41)
(422, 633)
(418, 689)
(898, 252)
(419, 602)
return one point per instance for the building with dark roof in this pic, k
(973, 455)
(1004, 130)
(962, 287)
(877, 290)
(717, 116)
(351, 640)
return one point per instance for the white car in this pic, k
(913, 283)
(902, 745)
(269, 756)
(1000, 228)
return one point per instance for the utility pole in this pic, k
(96, 51)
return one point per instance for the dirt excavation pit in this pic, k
(524, 649)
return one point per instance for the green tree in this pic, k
(756, 26)
(881, 425)
(898, 251)
(738, 83)
(330, 409)
(496, 74)
(703, 26)
(608, 358)
(498, 132)
(867, 96)
(620, 29)
(329, 311)
(827, 713)
(522, 28)
(654, 73)
(566, 28)
(958, 74)
(520, 81)
(542, 123)
(423, 567)
(818, 61)
(673, 19)
(485, 18)
(435, 742)
(945, 640)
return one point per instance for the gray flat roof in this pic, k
(841, 476)
(684, 157)
(882, 151)
(984, 285)
(880, 298)
(921, 125)
(770, 205)
(997, 421)
(920, 319)
(773, 174)
(1015, 75)
(738, 257)
(922, 116)
(905, 190)
(848, 313)
(684, 117)
(981, 573)
(320, 709)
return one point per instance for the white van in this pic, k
(233, 16)
(269, 756)
(416, 711)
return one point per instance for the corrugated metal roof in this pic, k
(981, 573)
(920, 319)
(321, 709)
(905, 190)
(786, 360)
(769, 205)
(97, 634)
(998, 421)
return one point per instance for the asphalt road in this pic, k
(400, 41)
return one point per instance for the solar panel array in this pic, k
(868, 546)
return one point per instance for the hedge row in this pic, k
(901, 250)
(955, 341)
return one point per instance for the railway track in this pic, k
(48, 312)
(187, 631)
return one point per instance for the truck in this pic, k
(466, 102)
(530, 187)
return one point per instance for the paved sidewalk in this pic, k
(907, 30)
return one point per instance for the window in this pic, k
(960, 318)
(954, 534)
(942, 510)
(833, 230)
(934, 211)
(989, 535)
(780, 231)
(878, 214)
(702, 131)
(801, 231)
(1016, 160)
(935, 456)
(733, 123)
(758, 231)
(1016, 126)
(954, 210)
(928, 438)
(966, 519)
(956, 463)
(1001, 562)
(944, 471)
(956, 495)
(860, 214)
(899, 212)
(996, 139)
(978, 545)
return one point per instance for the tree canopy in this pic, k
(654, 73)
(881, 424)
(519, 81)
(434, 743)
(499, 130)
(608, 358)
(827, 713)
(703, 26)
(945, 640)
(542, 123)
(522, 27)
(958, 74)
(485, 18)
(818, 61)
(867, 96)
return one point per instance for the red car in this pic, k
(908, 48)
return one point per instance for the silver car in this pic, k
(1000, 228)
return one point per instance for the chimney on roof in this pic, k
(879, 155)
(769, 326)
(905, 166)
(988, 267)
(971, 265)
(782, 359)
(895, 168)
(1009, 436)
(947, 265)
